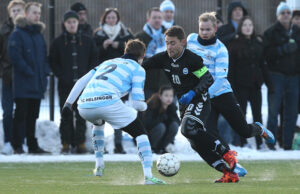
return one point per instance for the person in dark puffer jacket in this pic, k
(28, 54)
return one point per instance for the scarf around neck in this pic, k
(157, 44)
(207, 42)
(112, 31)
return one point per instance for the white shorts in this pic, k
(118, 115)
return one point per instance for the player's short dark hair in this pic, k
(136, 48)
(152, 10)
(176, 31)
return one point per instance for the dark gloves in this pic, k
(288, 48)
(67, 110)
(187, 98)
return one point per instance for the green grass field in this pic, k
(126, 177)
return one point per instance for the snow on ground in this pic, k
(48, 136)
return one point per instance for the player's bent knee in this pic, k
(191, 127)
(135, 128)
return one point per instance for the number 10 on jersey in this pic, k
(176, 79)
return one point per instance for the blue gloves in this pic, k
(187, 97)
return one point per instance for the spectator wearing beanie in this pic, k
(167, 7)
(281, 52)
(84, 27)
(72, 55)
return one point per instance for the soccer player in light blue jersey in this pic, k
(223, 101)
(100, 101)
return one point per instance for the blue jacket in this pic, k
(28, 55)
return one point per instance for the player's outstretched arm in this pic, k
(79, 86)
(137, 105)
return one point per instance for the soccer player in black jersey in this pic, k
(191, 80)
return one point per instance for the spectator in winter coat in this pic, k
(281, 51)
(161, 119)
(72, 55)
(154, 39)
(15, 8)
(167, 8)
(110, 38)
(84, 27)
(296, 36)
(111, 35)
(235, 12)
(247, 70)
(28, 54)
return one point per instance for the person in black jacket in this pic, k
(296, 36)
(111, 35)
(153, 37)
(161, 119)
(15, 8)
(235, 12)
(247, 70)
(72, 55)
(27, 52)
(84, 27)
(281, 52)
(191, 80)
(110, 38)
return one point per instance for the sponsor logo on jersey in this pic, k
(96, 98)
(174, 65)
(185, 70)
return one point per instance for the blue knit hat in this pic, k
(282, 6)
(167, 5)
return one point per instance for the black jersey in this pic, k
(184, 73)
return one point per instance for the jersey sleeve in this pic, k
(138, 82)
(221, 70)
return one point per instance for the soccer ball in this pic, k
(168, 164)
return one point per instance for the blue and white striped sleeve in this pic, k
(138, 82)
(221, 70)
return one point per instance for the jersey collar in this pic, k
(174, 60)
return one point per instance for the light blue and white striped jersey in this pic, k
(112, 80)
(215, 58)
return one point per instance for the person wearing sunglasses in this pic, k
(280, 52)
